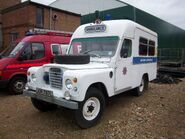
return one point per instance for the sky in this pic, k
(172, 11)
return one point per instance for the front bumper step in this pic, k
(54, 100)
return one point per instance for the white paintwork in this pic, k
(98, 70)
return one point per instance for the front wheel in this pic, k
(17, 85)
(91, 109)
(142, 88)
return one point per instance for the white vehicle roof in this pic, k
(119, 28)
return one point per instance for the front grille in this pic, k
(56, 78)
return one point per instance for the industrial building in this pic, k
(171, 39)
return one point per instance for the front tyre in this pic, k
(42, 105)
(91, 109)
(16, 85)
(142, 88)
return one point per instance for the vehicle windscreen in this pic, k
(6, 52)
(95, 47)
(17, 49)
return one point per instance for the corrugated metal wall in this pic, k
(170, 36)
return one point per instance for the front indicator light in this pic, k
(75, 80)
(75, 89)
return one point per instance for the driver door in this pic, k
(32, 55)
(123, 69)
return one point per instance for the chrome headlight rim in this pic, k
(69, 84)
(33, 76)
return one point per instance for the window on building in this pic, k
(151, 48)
(13, 36)
(33, 51)
(143, 46)
(40, 18)
(126, 49)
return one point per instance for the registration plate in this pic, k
(43, 92)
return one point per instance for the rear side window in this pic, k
(146, 47)
(64, 48)
(38, 51)
(143, 46)
(33, 51)
(151, 48)
(56, 49)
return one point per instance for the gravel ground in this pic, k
(158, 114)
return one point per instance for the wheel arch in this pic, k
(18, 75)
(146, 76)
(101, 87)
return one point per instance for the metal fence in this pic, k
(171, 56)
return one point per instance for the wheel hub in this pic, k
(91, 108)
(19, 85)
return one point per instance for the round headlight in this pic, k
(69, 84)
(33, 76)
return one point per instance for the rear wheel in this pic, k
(91, 109)
(42, 105)
(17, 85)
(142, 88)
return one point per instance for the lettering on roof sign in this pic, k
(95, 28)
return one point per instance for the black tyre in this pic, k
(142, 88)
(91, 109)
(42, 105)
(17, 84)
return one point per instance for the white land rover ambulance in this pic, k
(104, 59)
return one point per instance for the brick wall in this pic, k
(8, 3)
(0, 18)
(18, 17)
(1, 38)
(65, 22)
(20, 20)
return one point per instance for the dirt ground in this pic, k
(158, 114)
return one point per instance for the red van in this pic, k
(34, 50)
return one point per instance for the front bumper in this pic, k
(54, 100)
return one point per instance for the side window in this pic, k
(126, 50)
(38, 51)
(64, 48)
(143, 46)
(151, 48)
(26, 53)
(55, 49)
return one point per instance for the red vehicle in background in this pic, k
(37, 49)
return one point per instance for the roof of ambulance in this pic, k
(113, 28)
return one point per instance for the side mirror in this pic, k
(124, 53)
(21, 58)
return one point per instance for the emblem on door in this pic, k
(124, 70)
